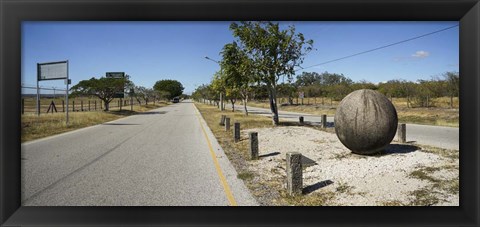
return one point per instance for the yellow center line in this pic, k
(223, 180)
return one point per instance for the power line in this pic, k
(378, 48)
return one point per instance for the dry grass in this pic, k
(313, 199)
(36, 127)
(245, 175)
(429, 116)
(439, 114)
(212, 116)
(430, 195)
(446, 153)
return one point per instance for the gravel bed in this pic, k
(355, 180)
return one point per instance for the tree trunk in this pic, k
(233, 105)
(106, 105)
(272, 93)
(451, 101)
(221, 101)
(245, 105)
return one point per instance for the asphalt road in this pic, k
(438, 136)
(157, 158)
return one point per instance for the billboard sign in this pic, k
(118, 75)
(52, 70)
(115, 75)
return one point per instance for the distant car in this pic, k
(176, 100)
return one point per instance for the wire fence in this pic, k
(53, 100)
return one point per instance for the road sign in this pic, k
(118, 75)
(52, 70)
(301, 95)
(115, 75)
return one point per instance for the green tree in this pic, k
(103, 88)
(201, 93)
(363, 84)
(218, 87)
(274, 52)
(173, 87)
(239, 72)
(140, 93)
(452, 80)
(339, 91)
(288, 90)
(259, 92)
(163, 94)
(308, 79)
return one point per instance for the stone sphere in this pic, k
(366, 121)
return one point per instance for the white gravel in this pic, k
(369, 180)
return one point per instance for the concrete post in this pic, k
(253, 145)
(236, 133)
(222, 119)
(294, 173)
(300, 119)
(227, 124)
(324, 121)
(402, 133)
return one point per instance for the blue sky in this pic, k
(152, 51)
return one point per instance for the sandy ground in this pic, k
(357, 180)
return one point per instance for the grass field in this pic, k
(36, 127)
(439, 114)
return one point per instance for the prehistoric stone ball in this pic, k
(366, 121)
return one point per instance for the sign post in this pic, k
(131, 99)
(301, 95)
(38, 94)
(118, 75)
(52, 71)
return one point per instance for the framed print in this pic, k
(34, 34)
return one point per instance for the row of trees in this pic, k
(106, 89)
(261, 54)
(337, 86)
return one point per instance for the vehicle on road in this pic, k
(175, 100)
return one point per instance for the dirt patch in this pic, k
(400, 175)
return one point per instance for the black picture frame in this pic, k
(13, 12)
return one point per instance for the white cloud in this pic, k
(421, 54)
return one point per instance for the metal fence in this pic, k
(54, 100)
